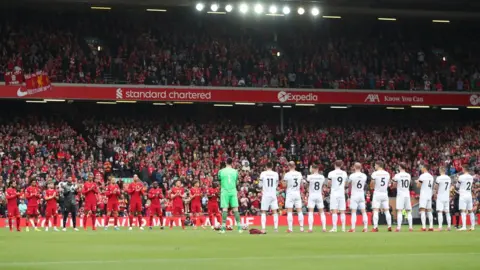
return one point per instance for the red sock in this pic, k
(10, 223)
(85, 221)
(18, 223)
(183, 222)
(151, 221)
(161, 221)
(139, 220)
(170, 221)
(115, 220)
(219, 218)
(106, 219)
(55, 220)
(94, 219)
(198, 221)
(130, 218)
(211, 219)
(35, 222)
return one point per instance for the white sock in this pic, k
(334, 220)
(300, 219)
(472, 220)
(342, 219)
(430, 219)
(365, 220)
(410, 220)
(310, 220)
(388, 217)
(275, 221)
(290, 221)
(323, 218)
(449, 219)
(354, 219)
(264, 220)
(440, 219)
(464, 220)
(424, 219)
(399, 219)
(375, 219)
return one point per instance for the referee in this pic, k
(69, 190)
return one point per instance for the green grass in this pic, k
(176, 249)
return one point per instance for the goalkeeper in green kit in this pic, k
(228, 177)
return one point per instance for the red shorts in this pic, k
(135, 207)
(90, 207)
(13, 211)
(51, 211)
(156, 211)
(112, 207)
(196, 208)
(32, 210)
(213, 208)
(178, 210)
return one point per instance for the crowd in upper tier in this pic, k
(185, 48)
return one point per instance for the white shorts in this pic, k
(338, 203)
(403, 202)
(357, 202)
(315, 201)
(465, 203)
(293, 201)
(269, 202)
(380, 201)
(425, 202)
(443, 205)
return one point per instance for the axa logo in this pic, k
(474, 100)
(119, 94)
(372, 98)
(293, 97)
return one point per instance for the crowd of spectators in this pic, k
(179, 48)
(190, 148)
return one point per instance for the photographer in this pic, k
(68, 191)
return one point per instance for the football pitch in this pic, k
(205, 249)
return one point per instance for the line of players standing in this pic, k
(338, 179)
(174, 200)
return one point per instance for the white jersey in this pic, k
(382, 179)
(338, 178)
(315, 184)
(427, 184)
(358, 181)
(269, 183)
(444, 182)
(293, 179)
(403, 180)
(465, 184)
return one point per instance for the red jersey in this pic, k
(90, 191)
(12, 196)
(196, 195)
(136, 191)
(50, 193)
(112, 192)
(177, 195)
(155, 194)
(32, 194)
(212, 195)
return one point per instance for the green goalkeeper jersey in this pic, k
(228, 180)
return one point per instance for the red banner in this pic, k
(232, 95)
(14, 78)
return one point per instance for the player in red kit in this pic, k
(155, 194)
(112, 192)
(51, 196)
(213, 210)
(32, 193)
(196, 204)
(136, 191)
(177, 195)
(90, 191)
(12, 207)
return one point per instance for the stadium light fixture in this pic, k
(258, 9)
(183, 102)
(214, 7)
(287, 106)
(276, 106)
(243, 8)
(272, 9)
(395, 108)
(300, 10)
(228, 8)
(338, 107)
(217, 12)
(304, 105)
(35, 101)
(126, 101)
(331, 17)
(101, 8)
(387, 19)
(54, 100)
(286, 10)
(107, 102)
(441, 21)
(245, 103)
(200, 6)
(315, 11)
(449, 109)
(222, 105)
(420, 107)
(156, 10)
(159, 104)
(473, 107)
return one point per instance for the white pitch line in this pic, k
(207, 259)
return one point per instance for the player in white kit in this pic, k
(380, 183)
(443, 182)
(315, 197)
(465, 203)
(269, 183)
(293, 199)
(425, 183)
(358, 180)
(402, 181)
(337, 179)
